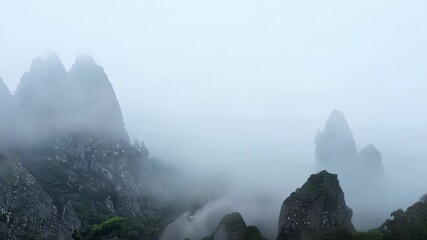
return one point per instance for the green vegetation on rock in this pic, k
(145, 227)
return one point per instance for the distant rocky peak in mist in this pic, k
(335, 145)
(52, 99)
(337, 125)
(372, 160)
(48, 67)
(336, 148)
(361, 172)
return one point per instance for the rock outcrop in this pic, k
(315, 210)
(233, 227)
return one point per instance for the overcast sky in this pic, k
(246, 80)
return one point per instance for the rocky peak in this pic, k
(317, 208)
(371, 157)
(94, 99)
(233, 227)
(52, 100)
(42, 84)
(335, 146)
(47, 68)
(337, 126)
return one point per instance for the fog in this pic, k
(241, 87)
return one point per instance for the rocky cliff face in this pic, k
(26, 211)
(67, 162)
(315, 210)
(233, 227)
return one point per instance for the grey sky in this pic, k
(244, 81)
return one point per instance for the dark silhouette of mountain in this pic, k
(316, 210)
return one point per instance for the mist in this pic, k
(237, 90)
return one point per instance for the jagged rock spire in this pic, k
(335, 146)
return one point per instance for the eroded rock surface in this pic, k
(315, 209)
(26, 210)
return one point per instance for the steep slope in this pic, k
(26, 211)
(316, 210)
(91, 89)
(6, 116)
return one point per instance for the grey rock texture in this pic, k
(233, 227)
(99, 176)
(26, 210)
(315, 209)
